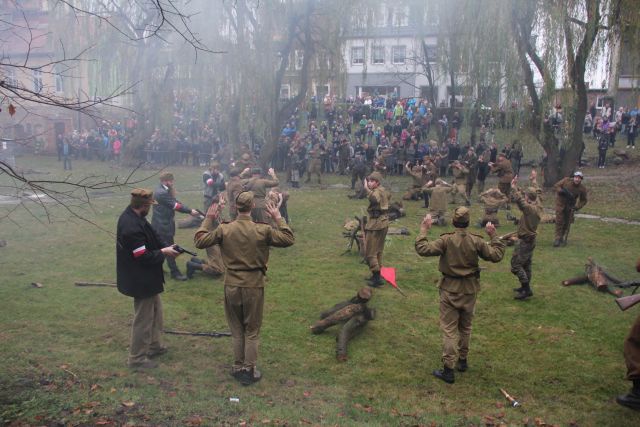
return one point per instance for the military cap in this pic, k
(461, 215)
(364, 293)
(167, 176)
(376, 176)
(244, 200)
(141, 197)
(256, 171)
(235, 171)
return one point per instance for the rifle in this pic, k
(199, 334)
(627, 302)
(182, 250)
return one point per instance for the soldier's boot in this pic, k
(462, 365)
(375, 281)
(524, 293)
(445, 374)
(563, 241)
(631, 399)
(175, 271)
(557, 242)
(192, 267)
(250, 376)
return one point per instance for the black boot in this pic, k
(631, 399)
(375, 281)
(445, 374)
(524, 293)
(192, 267)
(556, 243)
(462, 365)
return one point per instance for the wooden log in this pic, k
(580, 280)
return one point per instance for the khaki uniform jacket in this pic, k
(579, 192)
(459, 252)
(460, 175)
(245, 248)
(378, 209)
(531, 215)
(418, 178)
(259, 188)
(503, 170)
(234, 187)
(438, 200)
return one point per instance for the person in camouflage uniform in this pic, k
(527, 232)
(354, 313)
(492, 199)
(438, 192)
(460, 173)
(315, 164)
(258, 186)
(417, 181)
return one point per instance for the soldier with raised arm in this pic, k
(459, 253)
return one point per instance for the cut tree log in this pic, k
(110, 285)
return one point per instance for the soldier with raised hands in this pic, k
(459, 253)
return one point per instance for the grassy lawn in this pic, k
(64, 348)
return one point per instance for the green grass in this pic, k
(64, 348)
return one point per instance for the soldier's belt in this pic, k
(263, 269)
(377, 214)
(475, 274)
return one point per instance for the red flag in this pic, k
(389, 274)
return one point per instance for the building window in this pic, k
(377, 55)
(379, 15)
(37, 81)
(399, 54)
(10, 77)
(431, 53)
(59, 83)
(400, 16)
(285, 92)
(357, 55)
(299, 59)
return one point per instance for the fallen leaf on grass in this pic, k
(499, 405)
(305, 421)
(95, 387)
(129, 403)
(500, 414)
(105, 422)
(37, 285)
(172, 394)
(194, 420)
(113, 390)
(306, 394)
(266, 421)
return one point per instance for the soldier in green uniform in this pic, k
(460, 173)
(259, 187)
(376, 227)
(245, 252)
(502, 168)
(527, 231)
(439, 197)
(459, 252)
(315, 164)
(234, 187)
(632, 360)
(417, 181)
(492, 199)
(571, 196)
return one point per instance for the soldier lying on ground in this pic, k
(353, 312)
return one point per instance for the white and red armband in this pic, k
(139, 251)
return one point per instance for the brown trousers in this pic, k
(146, 330)
(456, 314)
(564, 218)
(632, 351)
(374, 247)
(243, 310)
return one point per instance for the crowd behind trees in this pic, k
(372, 132)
